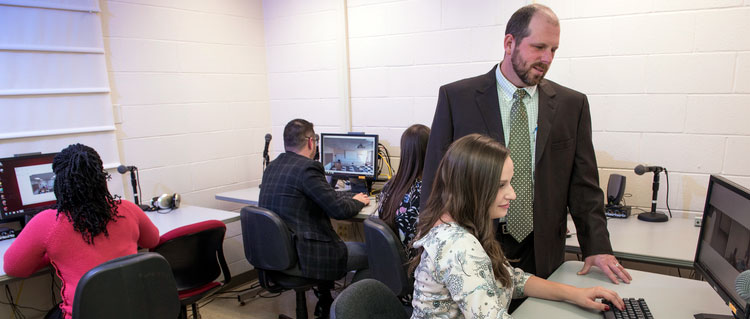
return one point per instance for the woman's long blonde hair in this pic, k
(466, 185)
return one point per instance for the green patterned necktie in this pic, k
(520, 214)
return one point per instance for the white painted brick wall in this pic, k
(667, 80)
(190, 88)
(742, 73)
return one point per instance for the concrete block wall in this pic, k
(305, 53)
(667, 80)
(190, 93)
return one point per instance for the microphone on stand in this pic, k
(265, 151)
(640, 169)
(122, 169)
(317, 148)
(653, 215)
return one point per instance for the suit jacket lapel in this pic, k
(547, 108)
(489, 106)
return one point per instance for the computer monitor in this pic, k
(723, 250)
(26, 185)
(352, 156)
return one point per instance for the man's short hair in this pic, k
(518, 25)
(296, 133)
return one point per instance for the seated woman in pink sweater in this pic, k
(89, 226)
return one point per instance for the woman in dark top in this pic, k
(399, 200)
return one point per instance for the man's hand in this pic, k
(362, 197)
(609, 265)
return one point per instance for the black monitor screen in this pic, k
(723, 247)
(351, 155)
(26, 185)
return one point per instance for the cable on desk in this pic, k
(384, 157)
(666, 173)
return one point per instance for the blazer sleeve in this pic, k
(585, 197)
(441, 136)
(315, 187)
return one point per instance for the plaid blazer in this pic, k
(295, 188)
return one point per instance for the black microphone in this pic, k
(317, 149)
(265, 148)
(640, 169)
(742, 285)
(122, 169)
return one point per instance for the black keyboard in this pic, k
(634, 309)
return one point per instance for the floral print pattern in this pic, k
(406, 215)
(455, 280)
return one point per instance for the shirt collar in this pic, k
(507, 88)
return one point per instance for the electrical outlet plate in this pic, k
(697, 222)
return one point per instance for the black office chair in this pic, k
(196, 255)
(386, 257)
(138, 286)
(270, 249)
(368, 298)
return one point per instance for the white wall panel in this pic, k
(42, 72)
(45, 29)
(53, 112)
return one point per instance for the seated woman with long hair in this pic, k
(399, 200)
(89, 226)
(461, 271)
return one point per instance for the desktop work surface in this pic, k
(667, 296)
(250, 196)
(671, 243)
(165, 221)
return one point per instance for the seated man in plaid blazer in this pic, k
(294, 186)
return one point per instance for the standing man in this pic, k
(294, 187)
(547, 128)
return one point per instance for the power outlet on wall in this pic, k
(697, 222)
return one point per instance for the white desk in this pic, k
(185, 215)
(666, 296)
(250, 196)
(671, 243)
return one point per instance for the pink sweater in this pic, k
(48, 239)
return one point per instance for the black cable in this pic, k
(138, 180)
(23, 307)
(666, 173)
(52, 288)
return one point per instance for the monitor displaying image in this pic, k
(724, 245)
(36, 183)
(26, 184)
(353, 155)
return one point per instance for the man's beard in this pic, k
(523, 74)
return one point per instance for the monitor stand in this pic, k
(359, 185)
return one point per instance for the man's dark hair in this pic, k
(296, 133)
(518, 25)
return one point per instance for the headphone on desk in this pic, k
(166, 201)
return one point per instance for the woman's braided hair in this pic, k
(81, 191)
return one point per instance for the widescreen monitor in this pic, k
(349, 155)
(723, 251)
(26, 185)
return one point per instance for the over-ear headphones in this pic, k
(166, 201)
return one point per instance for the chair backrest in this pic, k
(138, 286)
(267, 240)
(367, 298)
(386, 257)
(196, 253)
